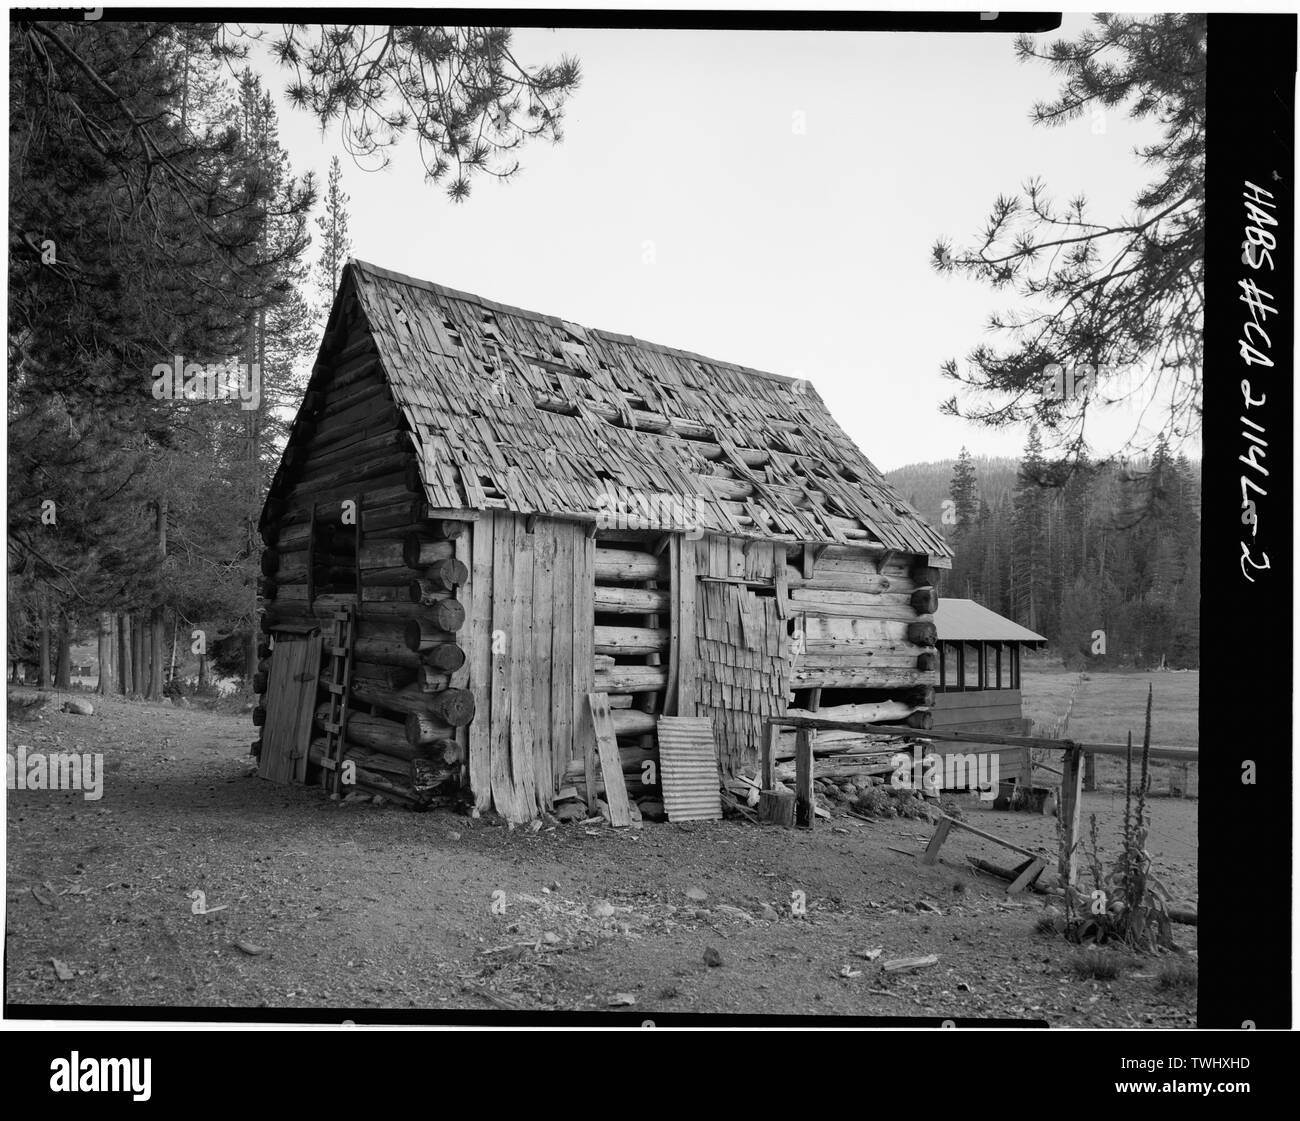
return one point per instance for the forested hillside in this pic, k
(927, 486)
(1105, 562)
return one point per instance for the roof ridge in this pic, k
(556, 321)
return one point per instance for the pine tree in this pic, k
(963, 493)
(336, 245)
(153, 257)
(964, 490)
(278, 330)
(992, 592)
(1100, 296)
(1029, 555)
(1082, 613)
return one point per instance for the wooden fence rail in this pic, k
(1183, 754)
(1072, 768)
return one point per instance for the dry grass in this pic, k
(1096, 965)
(1108, 705)
(1045, 688)
(1176, 974)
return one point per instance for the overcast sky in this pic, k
(765, 198)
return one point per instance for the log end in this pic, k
(925, 601)
(449, 530)
(922, 633)
(449, 614)
(445, 658)
(455, 706)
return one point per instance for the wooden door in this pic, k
(290, 704)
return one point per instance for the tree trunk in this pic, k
(63, 674)
(45, 678)
(104, 640)
(126, 671)
(254, 496)
(139, 655)
(154, 686)
(171, 668)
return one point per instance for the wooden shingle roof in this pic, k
(525, 412)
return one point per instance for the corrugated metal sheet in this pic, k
(688, 769)
(964, 620)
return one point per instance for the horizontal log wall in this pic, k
(636, 659)
(347, 525)
(863, 621)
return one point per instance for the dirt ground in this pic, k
(320, 904)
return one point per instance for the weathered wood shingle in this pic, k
(528, 413)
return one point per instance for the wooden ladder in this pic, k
(340, 681)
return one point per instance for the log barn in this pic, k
(485, 520)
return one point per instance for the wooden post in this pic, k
(611, 770)
(1089, 772)
(1068, 810)
(649, 702)
(674, 624)
(776, 807)
(589, 762)
(1178, 780)
(918, 748)
(803, 776)
(936, 842)
(771, 737)
(683, 591)
(1030, 871)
